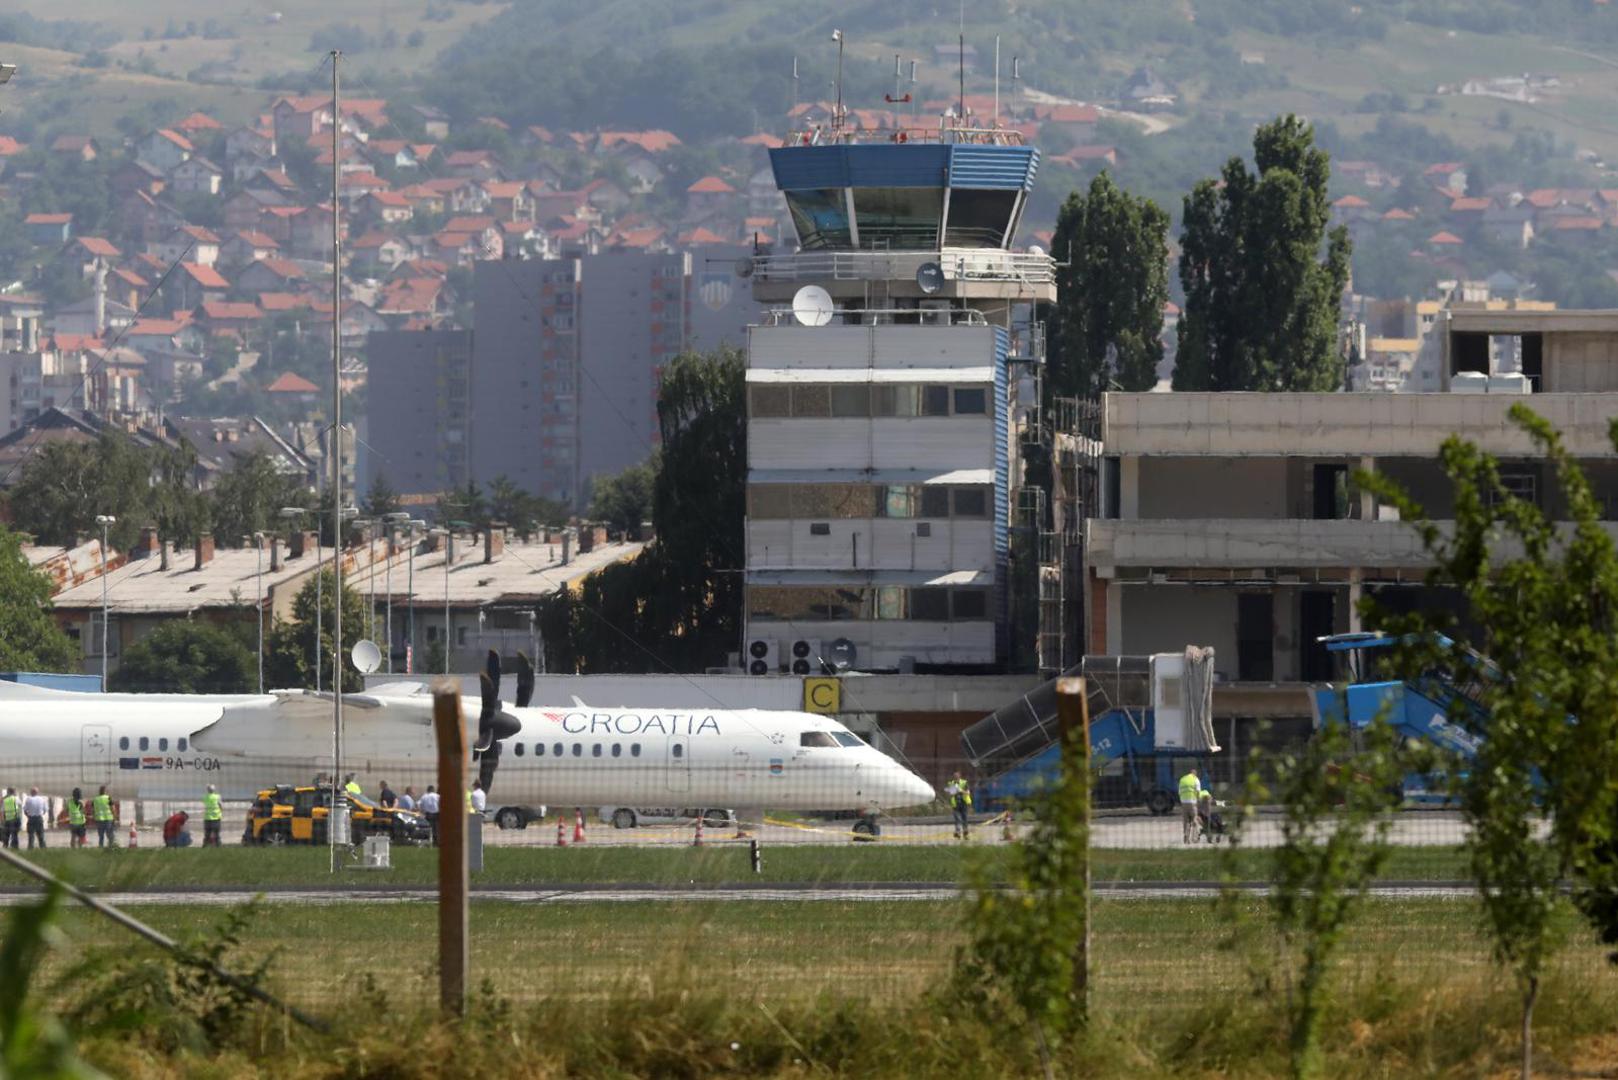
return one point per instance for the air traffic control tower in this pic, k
(883, 414)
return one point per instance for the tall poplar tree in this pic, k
(1263, 277)
(1106, 328)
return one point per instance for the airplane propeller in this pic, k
(493, 723)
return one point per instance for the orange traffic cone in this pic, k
(697, 841)
(578, 825)
(132, 841)
(561, 836)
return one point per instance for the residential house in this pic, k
(247, 246)
(196, 175)
(643, 171)
(377, 251)
(479, 165)
(199, 125)
(405, 299)
(461, 195)
(48, 230)
(1077, 123)
(269, 275)
(87, 251)
(244, 209)
(252, 141)
(133, 176)
(1449, 177)
(1368, 173)
(1510, 222)
(708, 197)
(423, 199)
(192, 243)
(192, 284)
(126, 287)
(146, 219)
(311, 235)
(387, 207)
(509, 200)
(300, 117)
(434, 121)
(82, 147)
(227, 317)
(655, 141)
(163, 149)
(289, 385)
(607, 196)
(391, 153)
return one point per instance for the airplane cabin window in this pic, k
(845, 738)
(578, 749)
(539, 749)
(162, 744)
(556, 750)
(679, 751)
(182, 744)
(634, 749)
(595, 750)
(617, 749)
(816, 738)
(145, 742)
(123, 742)
(519, 749)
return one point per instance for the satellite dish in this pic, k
(744, 267)
(1035, 249)
(929, 277)
(841, 654)
(812, 306)
(366, 656)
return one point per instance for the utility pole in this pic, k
(339, 802)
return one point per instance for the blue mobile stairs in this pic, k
(1146, 729)
(1433, 707)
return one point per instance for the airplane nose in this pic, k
(915, 791)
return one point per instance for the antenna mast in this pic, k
(837, 114)
(339, 802)
(960, 107)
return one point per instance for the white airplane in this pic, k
(170, 746)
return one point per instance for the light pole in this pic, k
(290, 512)
(415, 523)
(258, 609)
(364, 525)
(394, 520)
(449, 557)
(102, 520)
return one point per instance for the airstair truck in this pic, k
(1151, 718)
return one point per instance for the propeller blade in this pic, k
(525, 680)
(491, 667)
(487, 764)
(491, 705)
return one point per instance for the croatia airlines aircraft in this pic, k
(169, 746)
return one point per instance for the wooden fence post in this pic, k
(1073, 716)
(449, 728)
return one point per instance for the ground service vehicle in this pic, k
(628, 817)
(297, 815)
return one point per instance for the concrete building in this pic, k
(882, 450)
(419, 409)
(1231, 519)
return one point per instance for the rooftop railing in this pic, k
(970, 264)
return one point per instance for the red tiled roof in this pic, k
(280, 301)
(468, 223)
(1442, 237)
(701, 235)
(504, 189)
(711, 185)
(47, 219)
(470, 157)
(653, 142)
(156, 327)
(130, 277)
(639, 238)
(76, 342)
(389, 198)
(1350, 202)
(1441, 168)
(284, 268)
(406, 295)
(176, 138)
(199, 234)
(230, 309)
(764, 139)
(1396, 214)
(1579, 224)
(1544, 198)
(290, 382)
(95, 245)
(10, 146)
(206, 276)
(199, 121)
(257, 239)
(1471, 204)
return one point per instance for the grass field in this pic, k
(250, 868)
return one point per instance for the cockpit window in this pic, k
(816, 738)
(845, 738)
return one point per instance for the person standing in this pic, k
(35, 808)
(10, 818)
(429, 807)
(959, 793)
(101, 807)
(407, 801)
(386, 798)
(479, 800)
(75, 818)
(1190, 792)
(213, 817)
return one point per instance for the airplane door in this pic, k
(679, 763)
(95, 754)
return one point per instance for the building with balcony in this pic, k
(883, 432)
(1232, 519)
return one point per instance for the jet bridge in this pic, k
(1151, 717)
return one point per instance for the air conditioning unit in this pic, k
(762, 656)
(806, 657)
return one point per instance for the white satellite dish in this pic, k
(1035, 249)
(366, 656)
(812, 306)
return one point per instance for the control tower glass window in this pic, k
(978, 218)
(899, 218)
(821, 217)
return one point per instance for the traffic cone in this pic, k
(697, 840)
(561, 835)
(132, 840)
(578, 825)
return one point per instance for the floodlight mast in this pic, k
(339, 803)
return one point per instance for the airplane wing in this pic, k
(297, 724)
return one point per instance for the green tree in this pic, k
(525, 513)
(289, 657)
(381, 499)
(1545, 596)
(29, 638)
(184, 657)
(248, 498)
(625, 500)
(1261, 304)
(466, 504)
(1106, 327)
(65, 485)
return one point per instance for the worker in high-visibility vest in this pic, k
(101, 809)
(10, 818)
(75, 819)
(1190, 792)
(213, 816)
(352, 787)
(959, 793)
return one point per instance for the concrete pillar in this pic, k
(1129, 487)
(1355, 590)
(1115, 619)
(1285, 652)
(1367, 503)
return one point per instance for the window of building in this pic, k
(850, 399)
(890, 602)
(971, 401)
(811, 400)
(820, 216)
(935, 502)
(898, 501)
(768, 400)
(769, 501)
(968, 604)
(895, 400)
(929, 605)
(902, 218)
(971, 502)
(935, 401)
(978, 218)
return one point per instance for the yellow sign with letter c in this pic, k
(823, 696)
